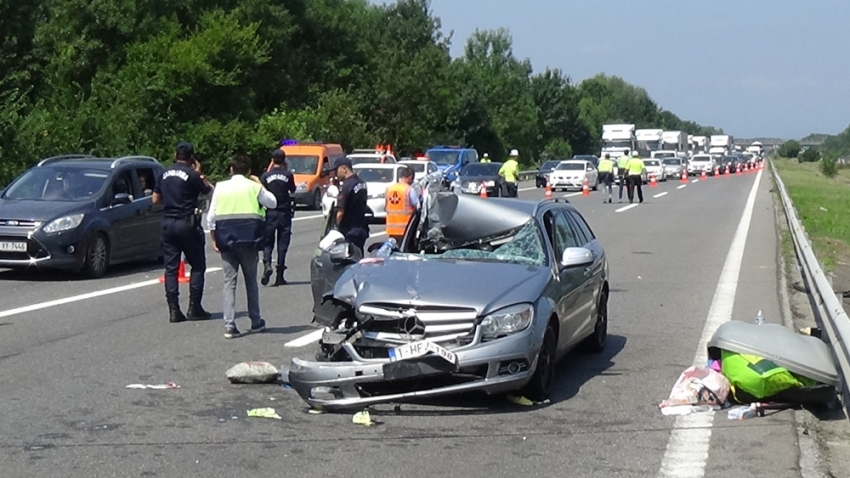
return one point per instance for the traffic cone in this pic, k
(684, 177)
(182, 277)
(585, 188)
(728, 173)
(652, 182)
(548, 190)
(738, 170)
(483, 192)
(716, 171)
(703, 176)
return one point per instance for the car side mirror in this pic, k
(341, 252)
(121, 198)
(576, 257)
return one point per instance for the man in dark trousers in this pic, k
(182, 234)
(279, 181)
(351, 205)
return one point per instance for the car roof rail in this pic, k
(125, 159)
(63, 157)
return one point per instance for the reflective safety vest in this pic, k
(606, 165)
(622, 165)
(239, 217)
(636, 166)
(399, 209)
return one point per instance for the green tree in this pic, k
(557, 149)
(810, 155)
(789, 149)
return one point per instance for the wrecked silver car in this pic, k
(481, 295)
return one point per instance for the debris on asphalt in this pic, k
(362, 418)
(315, 411)
(264, 413)
(520, 400)
(697, 389)
(253, 372)
(162, 386)
(742, 412)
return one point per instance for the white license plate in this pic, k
(418, 349)
(13, 246)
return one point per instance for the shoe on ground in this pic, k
(197, 312)
(260, 328)
(279, 280)
(175, 316)
(267, 274)
(231, 332)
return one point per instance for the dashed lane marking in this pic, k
(305, 340)
(90, 295)
(626, 208)
(660, 194)
(682, 186)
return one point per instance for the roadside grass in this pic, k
(823, 205)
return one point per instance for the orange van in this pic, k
(311, 165)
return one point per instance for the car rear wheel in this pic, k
(596, 185)
(317, 200)
(97, 257)
(540, 386)
(596, 342)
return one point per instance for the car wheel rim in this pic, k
(602, 322)
(98, 254)
(547, 370)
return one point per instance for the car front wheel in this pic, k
(596, 342)
(540, 386)
(97, 256)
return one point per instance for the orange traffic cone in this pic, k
(728, 173)
(652, 182)
(738, 170)
(716, 171)
(684, 177)
(703, 176)
(548, 190)
(585, 188)
(483, 192)
(182, 277)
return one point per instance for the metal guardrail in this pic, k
(523, 175)
(827, 305)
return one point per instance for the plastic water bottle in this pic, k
(759, 318)
(387, 249)
(742, 412)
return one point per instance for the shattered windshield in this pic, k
(523, 247)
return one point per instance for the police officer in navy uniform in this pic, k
(279, 181)
(182, 233)
(351, 205)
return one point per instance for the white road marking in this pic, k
(660, 194)
(571, 195)
(305, 218)
(695, 181)
(90, 295)
(626, 208)
(308, 339)
(688, 446)
(682, 186)
(527, 189)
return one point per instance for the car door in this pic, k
(124, 217)
(593, 274)
(592, 174)
(151, 214)
(567, 292)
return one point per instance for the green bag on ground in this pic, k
(759, 377)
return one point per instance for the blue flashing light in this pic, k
(288, 142)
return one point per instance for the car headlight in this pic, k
(302, 186)
(64, 223)
(490, 184)
(509, 320)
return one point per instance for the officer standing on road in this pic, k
(606, 170)
(509, 171)
(622, 173)
(636, 169)
(237, 225)
(401, 202)
(182, 234)
(279, 181)
(351, 205)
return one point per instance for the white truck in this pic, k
(700, 144)
(648, 141)
(720, 144)
(674, 144)
(618, 139)
(756, 149)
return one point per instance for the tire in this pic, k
(595, 343)
(540, 385)
(316, 204)
(97, 256)
(497, 192)
(596, 185)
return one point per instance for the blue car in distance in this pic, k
(450, 160)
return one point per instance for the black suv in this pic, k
(80, 212)
(542, 176)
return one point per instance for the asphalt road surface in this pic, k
(688, 259)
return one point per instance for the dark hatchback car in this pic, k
(82, 213)
(589, 157)
(475, 176)
(543, 173)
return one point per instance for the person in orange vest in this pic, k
(401, 202)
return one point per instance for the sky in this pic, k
(756, 68)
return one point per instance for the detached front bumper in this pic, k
(499, 366)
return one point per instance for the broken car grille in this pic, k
(401, 324)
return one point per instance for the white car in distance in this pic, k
(572, 173)
(654, 167)
(378, 177)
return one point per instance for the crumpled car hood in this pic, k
(484, 286)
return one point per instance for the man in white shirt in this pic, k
(237, 225)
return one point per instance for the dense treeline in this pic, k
(134, 76)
